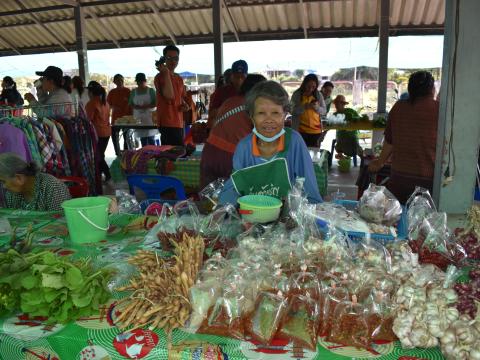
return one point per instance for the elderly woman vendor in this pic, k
(268, 160)
(29, 189)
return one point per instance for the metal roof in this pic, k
(39, 26)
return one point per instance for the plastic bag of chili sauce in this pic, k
(225, 315)
(332, 296)
(350, 327)
(305, 283)
(300, 324)
(381, 316)
(262, 324)
(368, 280)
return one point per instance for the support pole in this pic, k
(81, 44)
(217, 37)
(382, 65)
(383, 56)
(458, 135)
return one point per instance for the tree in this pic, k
(363, 73)
(298, 73)
(100, 78)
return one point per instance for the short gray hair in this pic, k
(11, 164)
(270, 90)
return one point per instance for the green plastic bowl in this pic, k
(259, 208)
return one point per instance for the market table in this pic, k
(187, 170)
(97, 337)
(351, 126)
(125, 127)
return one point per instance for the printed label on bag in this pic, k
(135, 344)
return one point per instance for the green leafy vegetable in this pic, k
(45, 284)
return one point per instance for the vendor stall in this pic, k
(234, 290)
(352, 126)
(96, 336)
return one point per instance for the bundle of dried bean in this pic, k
(167, 238)
(160, 291)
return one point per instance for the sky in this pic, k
(325, 56)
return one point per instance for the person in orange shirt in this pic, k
(190, 116)
(170, 98)
(118, 100)
(98, 112)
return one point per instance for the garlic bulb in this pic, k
(427, 313)
(461, 341)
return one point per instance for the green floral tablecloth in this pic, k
(97, 337)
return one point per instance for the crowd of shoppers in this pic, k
(244, 134)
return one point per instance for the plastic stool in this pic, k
(77, 186)
(154, 185)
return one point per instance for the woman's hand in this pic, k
(29, 97)
(313, 105)
(375, 166)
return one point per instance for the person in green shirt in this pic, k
(29, 189)
(347, 141)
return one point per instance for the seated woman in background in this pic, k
(347, 140)
(411, 138)
(308, 105)
(29, 189)
(231, 125)
(271, 158)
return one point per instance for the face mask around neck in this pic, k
(268, 139)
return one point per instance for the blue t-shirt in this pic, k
(298, 160)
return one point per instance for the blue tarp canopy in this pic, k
(187, 74)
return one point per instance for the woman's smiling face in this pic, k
(268, 117)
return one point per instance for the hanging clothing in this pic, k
(143, 116)
(14, 140)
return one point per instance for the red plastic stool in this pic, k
(77, 186)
